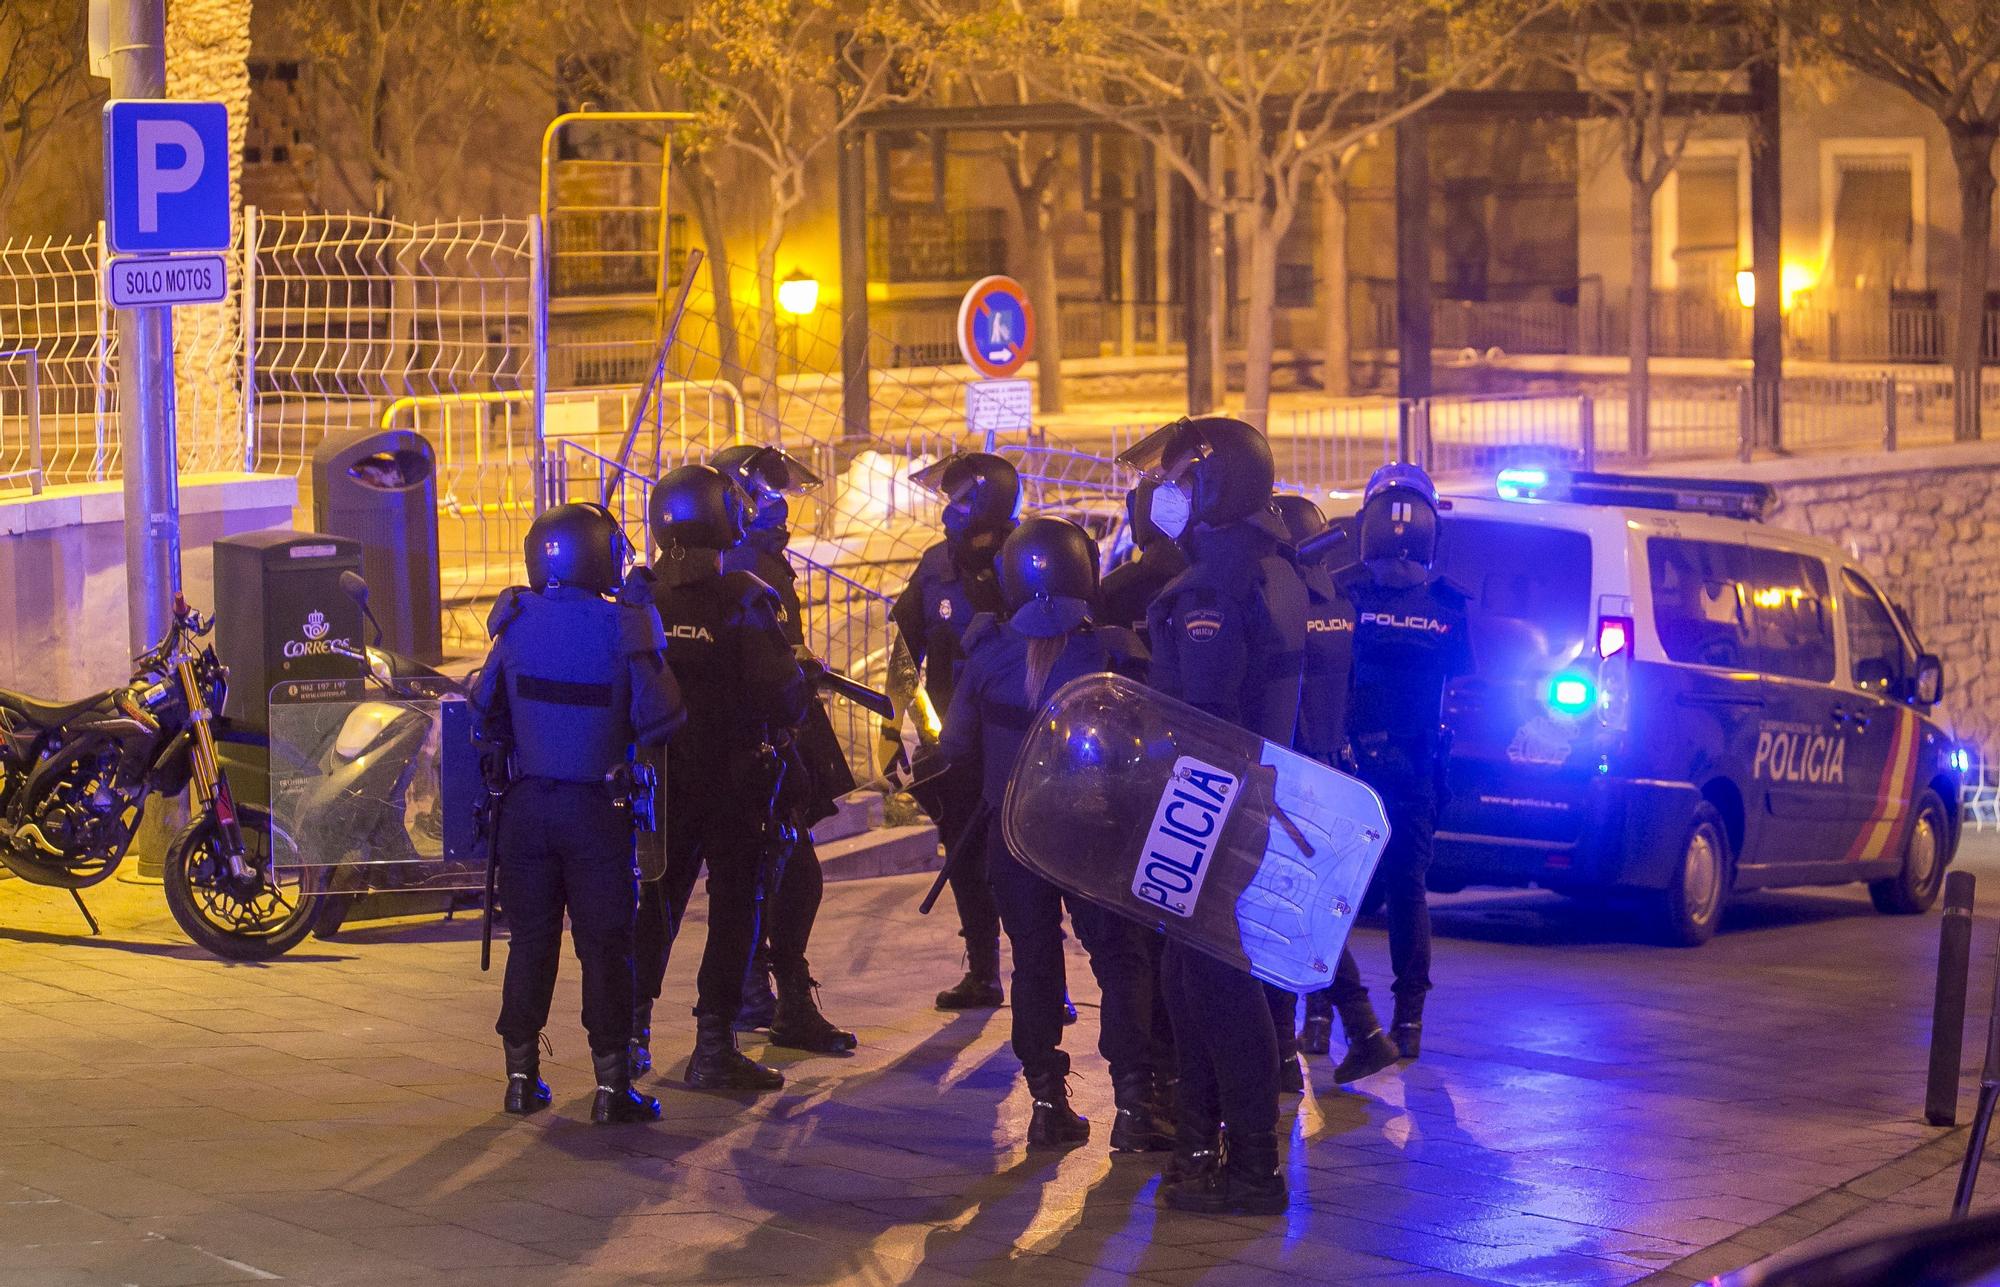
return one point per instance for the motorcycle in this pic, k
(76, 778)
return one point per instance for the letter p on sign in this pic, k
(166, 176)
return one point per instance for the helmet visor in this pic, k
(777, 471)
(1166, 453)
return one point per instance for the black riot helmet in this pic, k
(1048, 575)
(577, 544)
(697, 506)
(1302, 519)
(981, 492)
(769, 476)
(1399, 524)
(1212, 471)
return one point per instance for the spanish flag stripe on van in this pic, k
(1892, 795)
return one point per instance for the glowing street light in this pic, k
(798, 294)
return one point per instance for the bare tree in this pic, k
(1651, 69)
(406, 88)
(1279, 87)
(775, 83)
(1946, 55)
(42, 85)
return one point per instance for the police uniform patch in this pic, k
(944, 609)
(1203, 624)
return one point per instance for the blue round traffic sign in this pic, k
(996, 328)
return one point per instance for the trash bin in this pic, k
(379, 487)
(280, 614)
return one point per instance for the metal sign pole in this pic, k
(146, 373)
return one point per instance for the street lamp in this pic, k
(798, 294)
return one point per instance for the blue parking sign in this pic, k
(166, 176)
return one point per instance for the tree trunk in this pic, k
(1260, 319)
(727, 348)
(1639, 331)
(1337, 366)
(1972, 149)
(1035, 203)
(768, 338)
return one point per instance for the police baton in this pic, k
(974, 833)
(868, 699)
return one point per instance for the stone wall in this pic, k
(1926, 525)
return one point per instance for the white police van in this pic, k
(1672, 697)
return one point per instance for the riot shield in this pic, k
(1241, 849)
(370, 783)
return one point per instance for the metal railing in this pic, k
(29, 387)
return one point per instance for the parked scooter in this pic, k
(76, 778)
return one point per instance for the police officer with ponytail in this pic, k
(726, 771)
(1048, 586)
(1228, 636)
(574, 683)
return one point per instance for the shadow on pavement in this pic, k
(1528, 919)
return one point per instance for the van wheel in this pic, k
(1687, 911)
(1913, 889)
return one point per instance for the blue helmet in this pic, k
(1399, 519)
(576, 544)
(1404, 475)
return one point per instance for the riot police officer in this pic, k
(1228, 637)
(770, 476)
(1410, 639)
(573, 683)
(955, 581)
(745, 695)
(1048, 584)
(1131, 587)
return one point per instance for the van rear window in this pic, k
(1530, 589)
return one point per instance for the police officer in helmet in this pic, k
(1410, 639)
(770, 477)
(574, 682)
(1228, 636)
(727, 771)
(956, 581)
(1048, 585)
(1131, 587)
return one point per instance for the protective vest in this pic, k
(991, 710)
(934, 611)
(573, 682)
(1329, 656)
(1407, 644)
(1228, 635)
(775, 571)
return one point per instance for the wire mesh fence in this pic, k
(51, 304)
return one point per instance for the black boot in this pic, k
(1054, 1124)
(1069, 1010)
(1138, 1127)
(1369, 1051)
(716, 1064)
(616, 1100)
(799, 1024)
(760, 1004)
(1247, 1182)
(1408, 1031)
(526, 1091)
(976, 991)
(1291, 1075)
(1197, 1144)
(1316, 1033)
(639, 1049)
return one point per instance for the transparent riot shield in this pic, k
(368, 781)
(1244, 850)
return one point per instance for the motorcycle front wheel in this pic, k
(238, 924)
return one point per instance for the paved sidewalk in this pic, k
(1588, 1110)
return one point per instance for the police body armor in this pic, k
(564, 656)
(1235, 846)
(948, 596)
(1329, 657)
(1408, 641)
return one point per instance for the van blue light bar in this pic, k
(1725, 498)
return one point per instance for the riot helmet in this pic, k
(1302, 519)
(697, 506)
(577, 544)
(769, 476)
(981, 493)
(1212, 471)
(1399, 525)
(1048, 575)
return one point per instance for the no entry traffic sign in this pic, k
(135, 282)
(996, 328)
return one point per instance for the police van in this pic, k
(1671, 697)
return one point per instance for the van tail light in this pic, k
(1614, 637)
